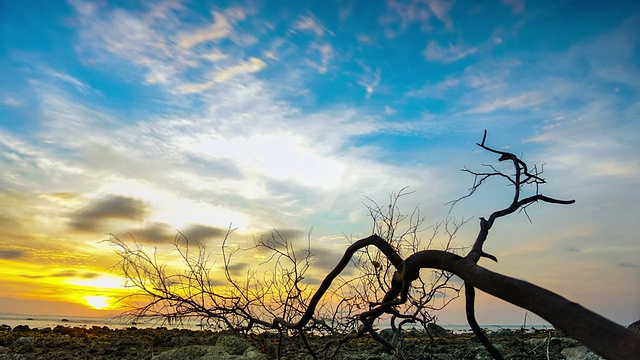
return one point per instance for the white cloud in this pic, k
(247, 158)
(154, 41)
(10, 100)
(400, 14)
(451, 53)
(253, 65)
(220, 29)
(309, 23)
(615, 168)
(325, 53)
(131, 37)
(245, 67)
(440, 9)
(522, 101)
(215, 55)
(438, 90)
(67, 78)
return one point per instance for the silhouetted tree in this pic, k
(389, 284)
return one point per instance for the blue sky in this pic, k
(147, 117)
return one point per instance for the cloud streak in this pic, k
(11, 254)
(92, 217)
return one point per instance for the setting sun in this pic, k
(97, 302)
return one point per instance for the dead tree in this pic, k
(596, 332)
(250, 301)
(603, 336)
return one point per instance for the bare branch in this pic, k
(272, 295)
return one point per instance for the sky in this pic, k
(141, 119)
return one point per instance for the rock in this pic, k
(192, 352)
(181, 340)
(23, 345)
(226, 348)
(500, 332)
(21, 328)
(62, 330)
(365, 356)
(471, 351)
(5, 327)
(635, 327)
(61, 338)
(13, 357)
(580, 353)
(233, 345)
(437, 330)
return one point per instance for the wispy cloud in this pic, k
(308, 23)
(440, 9)
(448, 54)
(220, 29)
(82, 86)
(522, 101)
(254, 150)
(65, 274)
(401, 14)
(154, 41)
(615, 168)
(245, 67)
(323, 53)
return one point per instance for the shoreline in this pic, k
(113, 322)
(65, 342)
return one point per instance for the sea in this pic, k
(51, 321)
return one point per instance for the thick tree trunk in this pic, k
(601, 335)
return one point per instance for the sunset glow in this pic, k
(142, 119)
(98, 302)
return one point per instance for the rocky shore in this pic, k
(63, 342)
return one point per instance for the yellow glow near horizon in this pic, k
(98, 302)
(102, 282)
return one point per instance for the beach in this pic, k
(96, 342)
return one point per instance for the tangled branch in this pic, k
(390, 283)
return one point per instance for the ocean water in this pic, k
(51, 321)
